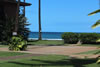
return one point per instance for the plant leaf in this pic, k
(96, 24)
(94, 12)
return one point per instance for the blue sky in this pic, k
(63, 15)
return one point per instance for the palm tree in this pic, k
(24, 8)
(98, 21)
(96, 25)
(40, 30)
(95, 12)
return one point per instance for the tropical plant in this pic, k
(2, 23)
(7, 27)
(22, 27)
(17, 44)
(7, 31)
(96, 24)
(98, 21)
(94, 12)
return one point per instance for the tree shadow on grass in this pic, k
(64, 62)
(46, 44)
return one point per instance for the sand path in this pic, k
(58, 50)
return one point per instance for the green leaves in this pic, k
(85, 38)
(7, 26)
(97, 11)
(96, 24)
(23, 30)
(17, 44)
(70, 37)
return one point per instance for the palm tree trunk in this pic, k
(24, 8)
(99, 4)
(17, 17)
(40, 30)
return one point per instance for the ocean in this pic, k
(46, 35)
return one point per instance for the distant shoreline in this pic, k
(43, 39)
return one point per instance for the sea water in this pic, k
(46, 35)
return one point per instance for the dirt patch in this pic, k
(60, 50)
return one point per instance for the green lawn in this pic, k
(46, 61)
(50, 61)
(3, 45)
(56, 43)
(6, 54)
(43, 43)
(91, 52)
(52, 43)
(47, 42)
(97, 45)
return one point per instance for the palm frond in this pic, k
(96, 24)
(98, 40)
(94, 12)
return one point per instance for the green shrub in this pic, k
(70, 37)
(17, 44)
(89, 38)
(85, 38)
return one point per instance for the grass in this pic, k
(50, 61)
(97, 45)
(47, 42)
(55, 43)
(91, 52)
(3, 45)
(46, 61)
(6, 54)
(52, 43)
(43, 43)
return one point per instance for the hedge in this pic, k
(70, 37)
(89, 38)
(85, 38)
